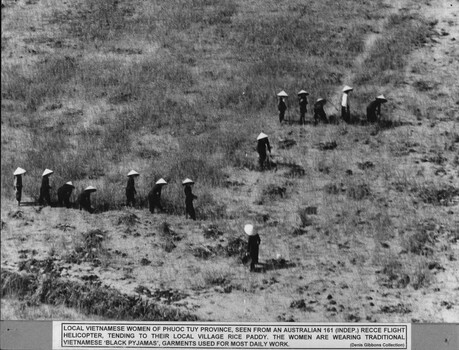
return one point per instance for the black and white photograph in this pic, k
(230, 161)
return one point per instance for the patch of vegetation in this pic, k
(47, 80)
(167, 296)
(294, 170)
(203, 252)
(212, 232)
(421, 242)
(301, 304)
(395, 277)
(217, 277)
(18, 284)
(91, 299)
(14, 309)
(437, 194)
(38, 266)
(167, 232)
(421, 276)
(89, 248)
(423, 85)
(398, 273)
(128, 219)
(93, 20)
(354, 189)
(358, 191)
(333, 188)
(277, 264)
(272, 192)
(236, 247)
(399, 308)
(329, 145)
(304, 214)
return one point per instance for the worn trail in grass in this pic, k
(377, 31)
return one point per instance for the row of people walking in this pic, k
(154, 197)
(84, 198)
(64, 192)
(319, 115)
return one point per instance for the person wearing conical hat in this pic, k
(154, 196)
(303, 102)
(18, 183)
(63, 194)
(45, 198)
(263, 147)
(252, 245)
(130, 188)
(84, 199)
(374, 109)
(282, 106)
(345, 106)
(189, 198)
(319, 113)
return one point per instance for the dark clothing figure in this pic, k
(154, 198)
(18, 187)
(263, 147)
(282, 107)
(374, 111)
(130, 192)
(303, 101)
(346, 114)
(319, 113)
(84, 200)
(252, 248)
(63, 195)
(45, 198)
(189, 197)
(345, 108)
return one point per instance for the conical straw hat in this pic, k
(382, 98)
(161, 182)
(302, 92)
(133, 173)
(321, 100)
(282, 94)
(347, 88)
(47, 172)
(19, 171)
(70, 184)
(90, 189)
(187, 181)
(262, 136)
(249, 229)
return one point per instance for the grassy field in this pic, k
(175, 89)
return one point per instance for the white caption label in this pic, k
(193, 335)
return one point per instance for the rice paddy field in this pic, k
(358, 222)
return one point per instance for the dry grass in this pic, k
(94, 299)
(184, 99)
(13, 309)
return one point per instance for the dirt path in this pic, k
(392, 7)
